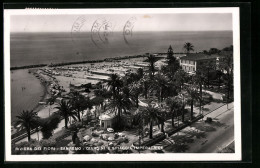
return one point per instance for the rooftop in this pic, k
(199, 56)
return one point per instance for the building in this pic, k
(193, 61)
(107, 120)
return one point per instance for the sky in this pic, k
(143, 22)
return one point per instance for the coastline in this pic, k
(39, 107)
(89, 61)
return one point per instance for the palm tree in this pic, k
(119, 103)
(135, 91)
(151, 114)
(175, 106)
(188, 47)
(180, 77)
(151, 60)
(192, 91)
(115, 83)
(65, 111)
(51, 101)
(78, 103)
(98, 101)
(103, 93)
(160, 84)
(161, 119)
(145, 87)
(28, 120)
(198, 79)
(182, 106)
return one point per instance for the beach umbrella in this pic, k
(121, 140)
(104, 136)
(100, 143)
(94, 140)
(111, 138)
(87, 137)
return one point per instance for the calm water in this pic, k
(24, 99)
(38, 48)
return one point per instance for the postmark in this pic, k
(100, 32)
(128, 29)
(77, 25)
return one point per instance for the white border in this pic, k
(125, 157)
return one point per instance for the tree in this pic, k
(151, 114)
(160, 84)
(28, 120)
(170, 57)
(205, 69)
(214, 51)
(51, 101)
(188, 47)
(175, 105)
(140, 73)
(151, 60)
(103, 93)
(145, 87)
(119, 103)
(78, 103)
(48, 125)
(135, 91)
(65, 111)
(182, 97)
(161, 119)
(172, 64)
(198, 79)
(219, 76)
(192, 91)
(226, 65)
(115, 83)
(230, 48)
(180, 77)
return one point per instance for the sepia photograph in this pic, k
(122, 84)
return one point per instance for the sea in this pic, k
(47, 48)
(26, 92)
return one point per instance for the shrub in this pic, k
(48, 142)
(208, 120)
(49, 124)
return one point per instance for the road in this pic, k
(220, 138)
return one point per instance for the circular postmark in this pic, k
(100, 32)
(128, 29)
(77, 25)
(76, 31)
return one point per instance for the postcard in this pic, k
(135, 84)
